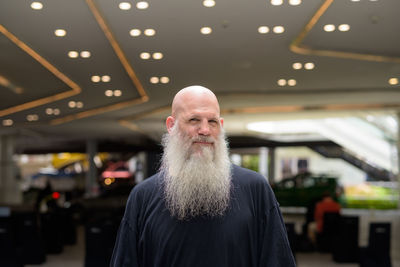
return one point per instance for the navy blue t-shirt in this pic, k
(250, 234)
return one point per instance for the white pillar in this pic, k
(263, 162)
(10, 192)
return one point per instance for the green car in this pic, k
(304, 189)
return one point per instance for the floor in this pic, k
(73, 256)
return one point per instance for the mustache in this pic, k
(200, 138)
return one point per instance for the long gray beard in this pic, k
(195, 184)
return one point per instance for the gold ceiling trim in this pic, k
(126, 121)
(125, 63)
(75, 89)
(297, 47)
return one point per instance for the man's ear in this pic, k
(222, 121)
(170, 122)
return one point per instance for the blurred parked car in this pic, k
(302, 190)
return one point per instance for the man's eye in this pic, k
(193, 120)
(213, 121)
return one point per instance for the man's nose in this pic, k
(204, 128)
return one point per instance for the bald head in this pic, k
(197, 109)
(190, 94)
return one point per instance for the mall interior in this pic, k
(309, 91)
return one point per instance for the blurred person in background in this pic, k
(201, 210)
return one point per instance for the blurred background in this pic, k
(309, 92)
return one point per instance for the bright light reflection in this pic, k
(263, 29)
(154, 80)
(291, 82)
(73, 54)
(124, 6)
(309, 66)
(276, 2)
(117, 93)
(393, 81)
(142, 5)
(36, 5)
(164, 79)
(282, 127)
(149, 32)
(135, 32)
(109, 93)
(60, 32)
(56, 111)
(329, 27)
(344, 27)
(206, 30)
(279, 29)
(96, 78)
(85, 54)
(157, 55)
(297, 65)
(105, 78)
(79, 104)
(281, 82)
(294, 2)
(49, 111)
(144, 55)
(8, 122)
(72, 104)
(208, 3)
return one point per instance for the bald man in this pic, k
(200, 210)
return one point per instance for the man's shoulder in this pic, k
(147, 187)
(247, 175)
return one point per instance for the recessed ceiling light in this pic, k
(281, 82)
(206, 30)
(85, 54)
(291, 82)
(124, 6)
(56, 111)
(36, 5)
(276, 2)
(154, 80)
(142, 5)
(72, 104)
(329, 27)
(393, 81)
(208, 3)
(157, 55)
(144, 55)
(79, 104)
(109, 93)
(32, 117)
(73, 54)
(355, 0)
(8, 122)
(263, 29)
(294, 2)
(60, 32)
(164, 79)
(49, 111)
(344, 27)
(297, 65)
(96, 78)
(149, 32)
(105, 78)
(309, 66)
(135, 32)
(117, 93)
(279, 29)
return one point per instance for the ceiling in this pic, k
(38, 80)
